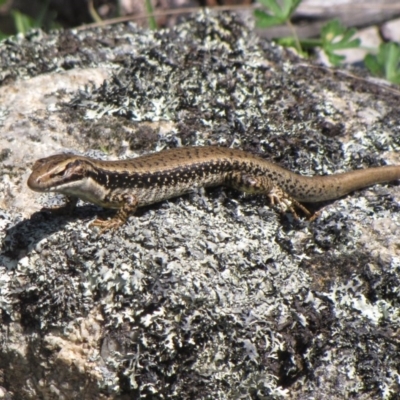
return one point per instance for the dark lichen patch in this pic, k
(331, 232)
(38, 52)
(4, 154)
(144, 138)
(110, 133)
(341, 269)
(332, 129)
(383, 201)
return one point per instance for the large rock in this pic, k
(213, 295)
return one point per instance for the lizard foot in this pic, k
(285, 202)
(109, 224)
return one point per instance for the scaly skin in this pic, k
(129, 184)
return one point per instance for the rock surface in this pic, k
(215, 294)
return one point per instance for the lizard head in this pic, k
(55, 172)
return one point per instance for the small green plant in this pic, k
(2, 35)
(151, 19)
(23, 23)
(386, 63)
(335, 36)
(277, 14)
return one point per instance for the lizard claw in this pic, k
(109, 224)
(280, 198)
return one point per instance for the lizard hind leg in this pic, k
(260, 184)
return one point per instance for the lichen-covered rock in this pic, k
(213, 295)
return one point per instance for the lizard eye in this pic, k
(71, 166)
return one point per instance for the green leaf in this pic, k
(288, 8)
(277, 14)
(151, 20)
(287, 41)
(292, 5)
(372, 64)
(392, 64)
(335, 37)
(273, 6)
(335, 59)
(264, 20)
(22, 21)
(386, 63)
(290, 41)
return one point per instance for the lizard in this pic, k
(128, 184)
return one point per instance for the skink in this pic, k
(126, 185)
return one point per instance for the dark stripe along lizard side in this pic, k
(128, 184)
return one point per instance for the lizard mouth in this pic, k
(53, 182)
(36, 184)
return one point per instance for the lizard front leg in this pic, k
(263, 185)
(127, 203)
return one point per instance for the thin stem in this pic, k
(294, 33)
